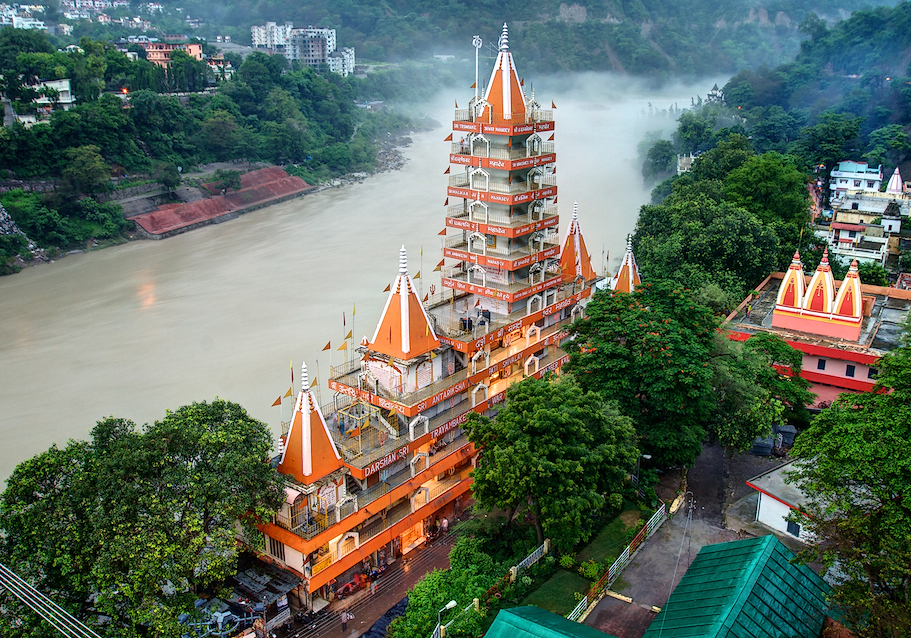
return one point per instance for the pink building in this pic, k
(160, 53)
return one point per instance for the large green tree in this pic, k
(133, 523)
(854, 465)
(553, 451)
(649, 352)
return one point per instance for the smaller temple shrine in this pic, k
(819, 309)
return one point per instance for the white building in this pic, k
(864, 242)
(317, 45)
(854, 176)
(777, 498)
(271, 35)
(342, 61)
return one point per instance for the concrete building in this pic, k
(271, 36)
(841, 328)
(160, 52)
(317, 45)
(777, 498)
(854, 176)
(369, 473)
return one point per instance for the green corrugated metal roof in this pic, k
(540, 623)
(744, 589)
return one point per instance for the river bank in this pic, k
(389, 158)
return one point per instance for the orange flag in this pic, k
(344, 346)
(328, 345)
(551, 138)
(313, 383)
(443, 232)
(417, 276)
(473, 85)
(426, 297)
(522, 82)
(288, 393)
(457, 105)
(348, 336)
(388, 288)
(552, 105)
(446, 203)
(278, 401)
(448, 139)
(446, 172)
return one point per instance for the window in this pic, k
(872, 372)
(821, 364)
(276, 549)
(849, 371)
(869, 183)
(856, 183)
(854, 206)
(793, 529)
(852, 234)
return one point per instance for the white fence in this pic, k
(653, 523)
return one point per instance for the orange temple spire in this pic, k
(628, 276)
(575, 261)
(404, 330)
(504, 90)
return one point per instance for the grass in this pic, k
(610, 541)
(557, 594)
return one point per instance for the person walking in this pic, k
(345, 617)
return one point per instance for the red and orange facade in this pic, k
(369, 473)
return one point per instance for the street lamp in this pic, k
(449, 605)
(641, 456)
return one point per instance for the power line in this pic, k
(54, 614)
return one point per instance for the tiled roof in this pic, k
(744, 589)
(530, 621)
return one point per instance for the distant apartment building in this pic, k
(311, 45)
(854, 176)
(271, 36)
(160, 52)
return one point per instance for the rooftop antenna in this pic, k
(478, 43)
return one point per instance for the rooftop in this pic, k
(880, 332)
(773, 483)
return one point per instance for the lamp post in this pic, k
(449, 605)
(641, 456)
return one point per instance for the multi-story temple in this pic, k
(370, 473)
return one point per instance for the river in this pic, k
(221, 311)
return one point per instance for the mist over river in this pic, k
(136, 329)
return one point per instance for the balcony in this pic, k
(506, 252)
(456, 274)
(501, 186)
(498, 152)
(486, 216)
(531, 117)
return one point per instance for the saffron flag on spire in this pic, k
(457, 104)
(443, 232)
(417, 276)
(552, 105)
(448, 139)
(313, 383)
(446, 172)
(474, 85)
(426, 297)
(446, 203)
(328, 345)
(344, 346)
(388, 288)
(278, 401)
(551, 138)
(348, 336)
(289, 392)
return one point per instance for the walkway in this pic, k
(391, 588)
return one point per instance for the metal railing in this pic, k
(500, 153)
(532, 558)
(453, 272)
(460, 211)
(647, 530)
(500, 186)
(537, 115)
(507, 252)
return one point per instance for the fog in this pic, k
(136, 329)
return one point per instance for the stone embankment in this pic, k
(9, 227)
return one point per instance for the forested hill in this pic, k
(646, 37)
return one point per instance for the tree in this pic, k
(133, 523)
(553, 451)
(168, 176)
(888, 145)
(225, 179)
(771, 187)
(649, 352)
(660, 160)
(86, 171)
(854, 466)
(873, 274)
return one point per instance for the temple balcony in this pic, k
(503, 255)
(501, 186)
(500, 153)
(530, 117)
(455, 273)
(483, 215)
(313, 529)
(429, 498)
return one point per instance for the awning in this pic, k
(291, 495)
(264, 583)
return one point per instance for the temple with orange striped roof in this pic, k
(369, 473)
